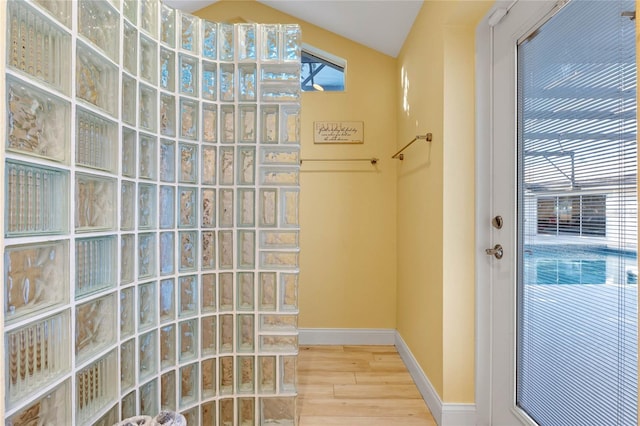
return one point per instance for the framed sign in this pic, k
(338, 132)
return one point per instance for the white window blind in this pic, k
(577, 194)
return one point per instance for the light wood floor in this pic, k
(356, 386)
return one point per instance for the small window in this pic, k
(321, 71)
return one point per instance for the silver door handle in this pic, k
(496, 251)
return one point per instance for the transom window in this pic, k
(321, 71)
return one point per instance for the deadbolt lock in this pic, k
(497, 222)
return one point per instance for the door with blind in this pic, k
(564, 181)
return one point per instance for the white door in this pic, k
(544, 292)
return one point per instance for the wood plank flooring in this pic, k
(357, 386)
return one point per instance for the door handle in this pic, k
(496, 251)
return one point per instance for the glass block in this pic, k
(247, 124)
(189, 384)
(130, 49)
(146, 255)
(290, 124)
(38, 123)
(278, 92)
(100, 23)
(37, 354)
(267, 374)
(95, 327)
(96, 386)
(188, 251)
(167, 160)
(188, 36)
(167, 115)
(226, 38)
(147, 355)
(129, 404)
(129, 90)
(94, 136)
(167, 207)
(54, 408)
(188, 166)
(270, 42)
(209, 123)
(129, 144)
(149, 16)
(289, 208)
(247, 84)
(279, 239)
(96, 80)
(208, 371)
(268, 207)
(148, 156)
(109, 418)
(225, 253)
(279, 260)
(246, 41)
(127, 364)
(226, 333)
(187, 296)
(246, 330)
(95, 203)
(167, 300)
(127, 256)
(226, 165)
(148, 108)
(281, 72)
(289, 292)
(278, 322)
(245, 282)
(127, 313)
(208, 197)
(188, 339)
(191, 416)
(147, 299)
(246, 207)
(208, 174)
(95, 265)
(168, 25)
(146, 206)
(59, 9)
(168, 346)
(149, 398)
(208, 250)
(269, 124)
(285, 156)
(208, 292)
(267, 291)
(36, 46)
(188, 119)
(188, 207)
(225, 209)
(279, 176)
(227, 82)
(246, 249)
(247, 160)
(291, 43)
(226, 372)
(246, 411)
(148, 60)
(226, 291)
(130, 11)
(246, 376)
(288, 368)
(36, 278)
(209, 40)
(168, 391)
(208, 336)
(279, 411)
(167, 69)
(227, 131)
(188, 75)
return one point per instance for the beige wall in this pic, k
(347, 210)
(436, 315)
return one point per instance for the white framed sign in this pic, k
(338, 132)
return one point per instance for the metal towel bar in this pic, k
(373, 160)
(400, 156)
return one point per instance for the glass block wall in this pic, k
(151, 223)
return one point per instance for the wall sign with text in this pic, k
(338, 132)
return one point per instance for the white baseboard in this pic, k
(346, 336)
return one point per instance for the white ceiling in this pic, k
(382, 25)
